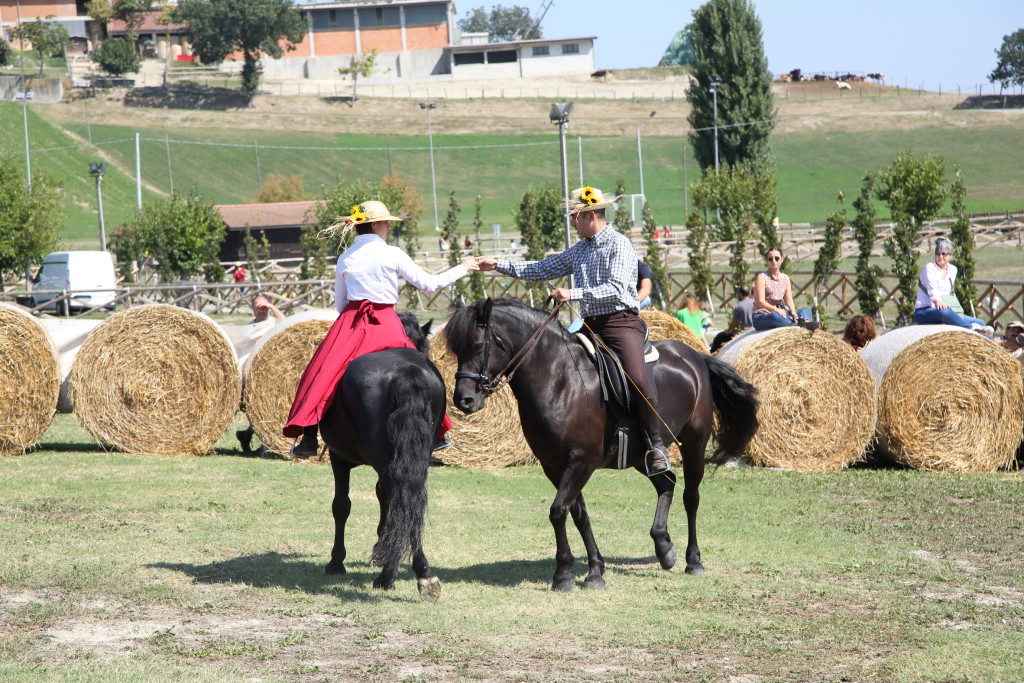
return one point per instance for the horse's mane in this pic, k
(459, 331)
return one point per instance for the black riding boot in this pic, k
(656, 458)
(308, 447)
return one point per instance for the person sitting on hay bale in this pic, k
(773, 298)
(365, 293)
(859, 332)
(264, 316)
(1013, 340)
(604, 265)
(743, 312)
(693, 315)
(936, 304)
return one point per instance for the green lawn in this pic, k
(134, 567)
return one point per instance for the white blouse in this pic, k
(933, 284)
(370, 269)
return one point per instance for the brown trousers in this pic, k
(623, 332)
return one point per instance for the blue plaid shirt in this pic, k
(604, 267)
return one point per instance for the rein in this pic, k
(490, 385)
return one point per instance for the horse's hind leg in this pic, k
(386, 579)
(340, 508)
(665, 485)
(429, 585)
(693, 473)
(595, 576)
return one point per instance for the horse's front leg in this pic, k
(595, 575)
(665, 485)
(340, 508)
(572, 481)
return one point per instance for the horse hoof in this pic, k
(695, 568)
(383, 584)
(668, 560)
(334, 568)
(430, 588)
(594, 582)
(565, 586)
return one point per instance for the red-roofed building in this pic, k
(281, 223)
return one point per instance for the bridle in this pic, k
(488, 385)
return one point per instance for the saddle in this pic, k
(616, 391)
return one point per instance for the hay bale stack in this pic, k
(664, 326)
(68, 335)
(29, 380)
(817, 398)
(949, 400)
(488, 439)
(273, 371)
(156, 379)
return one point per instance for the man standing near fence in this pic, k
(604, 265)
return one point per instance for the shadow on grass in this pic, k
(268, 570)
(340, 99)
(67, 447)
(187, 95)
(992, 102)
(510, 573)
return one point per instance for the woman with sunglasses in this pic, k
(936, 304)
(773, 297)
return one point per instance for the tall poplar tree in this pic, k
(962, 237)
(727, 45)
(865, 231)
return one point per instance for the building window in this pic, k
(502, 56)
(371, 17)
(424, 15)
(462, 58)
(571, 49)
(332, 18)
(541, 50)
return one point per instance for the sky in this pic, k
(912, 42)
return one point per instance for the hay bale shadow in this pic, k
(187, 95)
(992, 102)
(339, 99)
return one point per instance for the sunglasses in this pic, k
(943, 253)
(774, 258)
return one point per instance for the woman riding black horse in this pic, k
(569, 430)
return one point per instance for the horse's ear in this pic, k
(426, 327)
(485, 311)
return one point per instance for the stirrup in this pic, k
(647, 462)
(441, 444)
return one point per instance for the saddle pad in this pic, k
(650, 351)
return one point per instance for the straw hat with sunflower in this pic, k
(589, 199)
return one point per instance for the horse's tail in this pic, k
(736, 402)
(409, 432)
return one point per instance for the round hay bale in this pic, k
(488, 439)
(817, 398)
(273, 370)
(68, 335)
(949, 400)
(664, 326)
(29, 380)
(156, 379)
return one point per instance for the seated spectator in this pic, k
(264, 316)
(859, 332)
(1013, 340)
(936, 304)
(743, 313)
(693, 315)
(773, 298)
(643, 284)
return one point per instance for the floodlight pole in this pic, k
(96, 170)
(559, 115)
(430, 106)
(714, 98)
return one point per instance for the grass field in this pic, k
(131, 567)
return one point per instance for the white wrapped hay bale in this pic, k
(949, 400)
(156, 379)
(29, 380)
(68, 335)
(817, 397)
(274, 368)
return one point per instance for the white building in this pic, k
(521, 58)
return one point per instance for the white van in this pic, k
(88, 275)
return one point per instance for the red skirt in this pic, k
(363, 327)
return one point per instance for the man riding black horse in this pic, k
(604, 266)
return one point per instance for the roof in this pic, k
(278, 215)
(333, 4)
(149, 25)
(516, 43)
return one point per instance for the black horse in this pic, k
(385, 413)
(566, 424)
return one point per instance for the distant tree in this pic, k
(622, 221)
(763, 211)
(698, 240)
(477, 284)
(729, 192)
(828, 254)
(865, 230)
(217, 28)
(101, 13)
(360, 65)
(117, 57)
(653, 259)
(314, 264)
(1010, 63)
(6, 53)
(962, 237)
(502, 23)
(282, 188)
(727, 45)
(29, 221)
(679, 51)
(450, 234)
(914, 188)
(48, 38)
(257, 250)
(183, 234)
(540, 220)
(133, 14)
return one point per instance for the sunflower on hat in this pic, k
(589, 199)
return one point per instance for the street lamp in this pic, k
(559, 115)
(430, 106)
(715, 82)
(96, 170)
